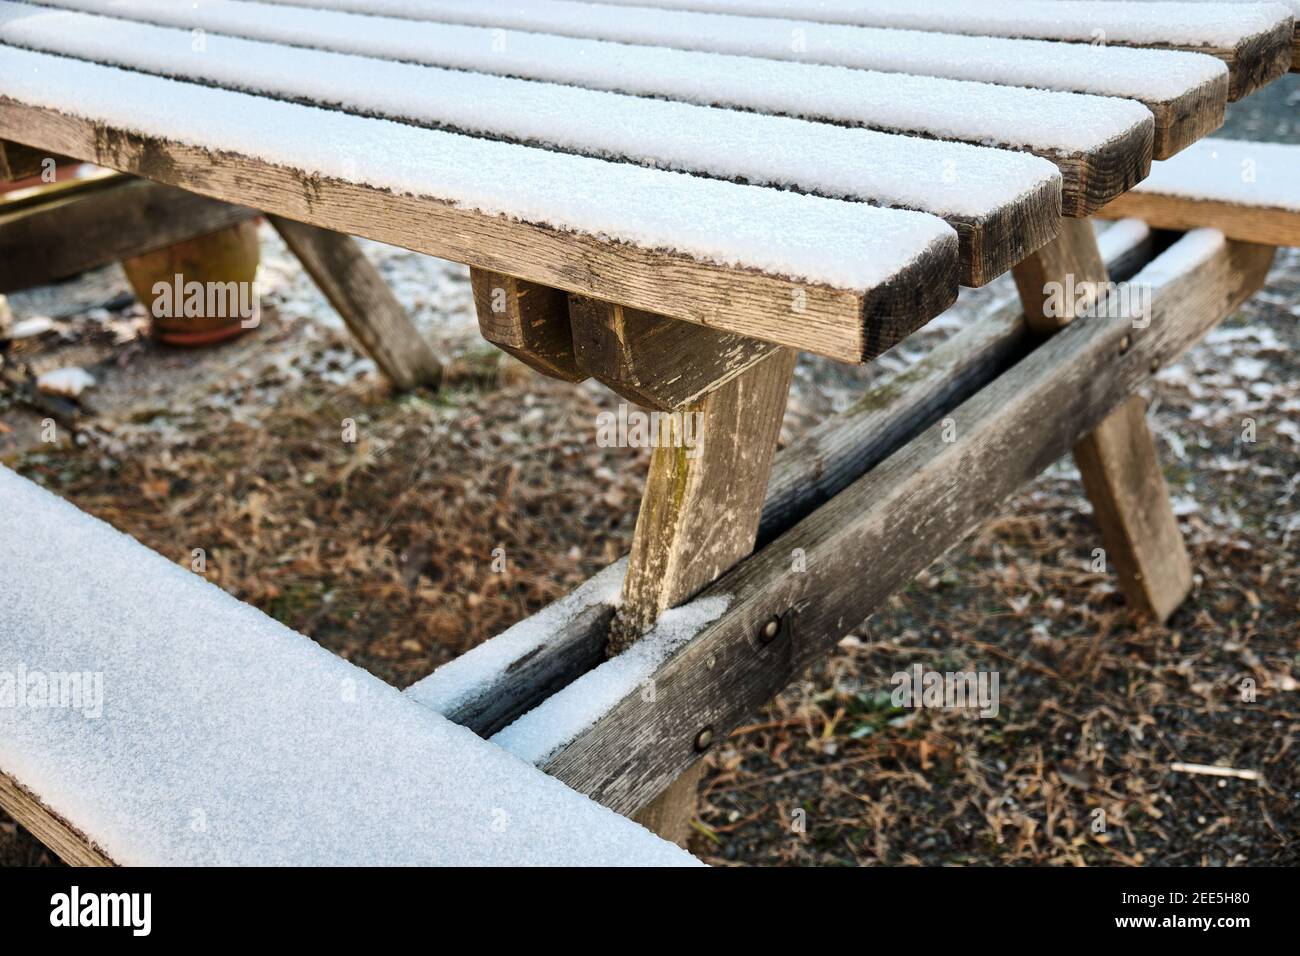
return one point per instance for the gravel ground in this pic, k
(382, 552)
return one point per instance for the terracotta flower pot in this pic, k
(200, 291)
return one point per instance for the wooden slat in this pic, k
(1010, 207)
(1264, 225)
(655, 361)
(852, 326)
(96, 222)
(1181, 118)
(360, 295)
(528, 321)
(68, 843)
(910, 509)
(1256, 56)
(1121, 472)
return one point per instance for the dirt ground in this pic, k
(382, 551)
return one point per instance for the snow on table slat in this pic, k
(1147, 75)
(223, 737)
(1003, 204)
(1256, 40)
(1130, 22)
(1089, 137)
(840, 245)
(1249, 191)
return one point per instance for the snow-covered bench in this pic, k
(1247, 190)
(147, 717)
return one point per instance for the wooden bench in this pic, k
(684, 267)
(148, 718)
(1248, 191)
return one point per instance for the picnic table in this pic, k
(675, 198)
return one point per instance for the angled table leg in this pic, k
(1118, 461)
(360, 295)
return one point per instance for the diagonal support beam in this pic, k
(1118, 460)
(360, 295)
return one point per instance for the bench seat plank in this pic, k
(844, 279)
(1254, 39)
(1185, 91)
(1248, 191)
(1102, 145)
(221, 737)
(1002, 204)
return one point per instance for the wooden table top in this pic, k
(819, 175)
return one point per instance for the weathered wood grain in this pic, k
(92, 223)
(1256, 61)
(1264, 225)
(1122, 476)
(873, 538)
(701, 506)
(68, 843)
(653, 360)
(1190, 117)
(1092, 178)
(698, 518)
(853, 326)
(1121, 472)
(19, 161)
(528, 321)
(361, 296)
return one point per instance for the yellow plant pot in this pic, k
(202, 290)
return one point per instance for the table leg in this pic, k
(699, 517)
(1121, 473)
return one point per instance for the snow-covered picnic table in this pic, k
(675, 197)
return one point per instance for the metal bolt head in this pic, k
(770, 630)
(1155, 365)
(704, 739)
(1124, 344)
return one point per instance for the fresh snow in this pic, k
(539, 734)
(480, 668)
(1046, 121)
(69, 382)
(1112, 21)
(1110, 70)
(1190, 252)
(1231, 171)
(947, 179)
(806, 238)
(223, 737)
